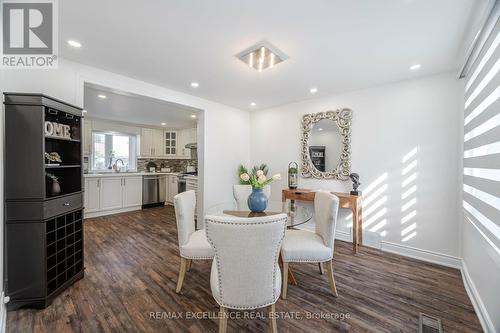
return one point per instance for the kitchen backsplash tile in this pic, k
(174, 165)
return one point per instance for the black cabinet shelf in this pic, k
(44, 224)
(53, 166)
(60, 138)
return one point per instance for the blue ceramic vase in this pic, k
(257, 201)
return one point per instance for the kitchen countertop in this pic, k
(191, 177)
(126, 174)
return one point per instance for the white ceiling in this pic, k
(334, 45)
(135, 109)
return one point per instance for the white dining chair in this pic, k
(245, 272)
(242, 192)
(193, 244)
(318, 246)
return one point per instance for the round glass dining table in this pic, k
(299, 215)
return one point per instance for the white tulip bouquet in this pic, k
(257, 178)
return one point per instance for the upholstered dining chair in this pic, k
(241, 193)
(317, 247)
(193, 244)
(245, 272)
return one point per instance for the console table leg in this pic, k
(355, 220)
(360, 225)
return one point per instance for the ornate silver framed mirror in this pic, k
(326, 145)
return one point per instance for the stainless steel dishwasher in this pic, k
(154, 190)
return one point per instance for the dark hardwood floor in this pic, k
(131, 271)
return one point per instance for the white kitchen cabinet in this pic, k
(92, 194)
(172, 189)
(171, 141)
(87, 136)
(188, 135)
(151, 142)
(111, 193)
(146, 142)
(132, 192)
(158, 143)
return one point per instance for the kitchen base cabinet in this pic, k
(112, 194)
(92, 195)
(132, 192)
(172, 188)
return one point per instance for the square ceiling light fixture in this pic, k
(261, 56)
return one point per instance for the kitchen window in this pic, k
(110, 147)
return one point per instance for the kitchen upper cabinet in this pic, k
(158, 143)
(87, 137)
(132, 191)
(146, 142)
(151, 142)
(171, 143)
(92, 195)
(111, 193)
(186, 136)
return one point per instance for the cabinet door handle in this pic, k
(98, 183)
(124, 180)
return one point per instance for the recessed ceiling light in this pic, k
(313, 90)
(101, 96)
(415, 67)
(195, 84)
(261, 56)
(253, 104)
(320, 129)
(193, 116)
(163, 124)
(74, 43)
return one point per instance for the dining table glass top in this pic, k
(299, 214)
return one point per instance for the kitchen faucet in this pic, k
(116, 164)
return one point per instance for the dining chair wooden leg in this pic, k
(223, 320)
(320, 265)
(272, 318)
(190, 262)
(182, 272)
(284, 283)
(331, 279)
(291, 277)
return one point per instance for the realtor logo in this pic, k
(29, 34)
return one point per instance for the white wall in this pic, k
(223, 132)
(389, 122)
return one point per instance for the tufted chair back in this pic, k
(245, 266)
(326, 208)
(185, 207)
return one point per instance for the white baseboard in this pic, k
(343, 236)
(109, 212)
(408, 251)
(477, 303)
(424, 255)
(3, 314)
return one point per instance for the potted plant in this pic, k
(257, 200)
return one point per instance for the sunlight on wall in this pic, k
(408, 198)
(374, 202)
(368, 197)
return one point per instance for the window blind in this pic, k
(481, 173)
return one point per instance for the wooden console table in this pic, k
(346, 200)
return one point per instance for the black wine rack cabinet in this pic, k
(44, 252)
